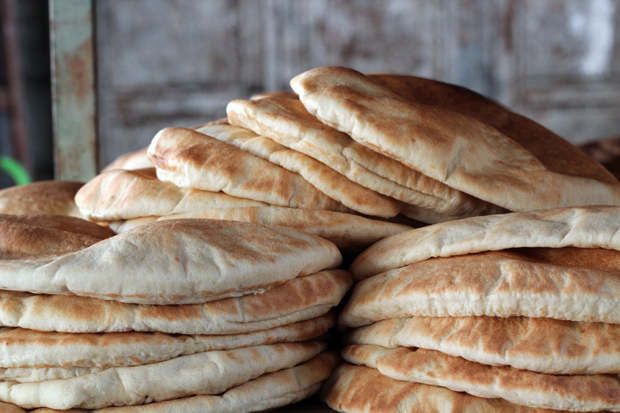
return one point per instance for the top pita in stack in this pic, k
(195, 314)
(458, 139)
(522, 307)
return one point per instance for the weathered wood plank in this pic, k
(179, 62)
(73, 89)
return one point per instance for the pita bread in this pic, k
(186, 344)
(587, 227)
(61, 223)
(266, 392)
(287, 122)
(35, 236)
(357, 389)
(543, 345)
(322, 177)
(554, 152)
(211, 372)
(576, 392)
(448, 146)
(299, 299)
(351, 233)
(11, 408)
(497, 284)
(196, 261)
(50, 197)
(190, 159)
(130, 161)
(30, 349)
(120, 194)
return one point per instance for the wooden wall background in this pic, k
(179, 62)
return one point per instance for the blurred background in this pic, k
(149, 64)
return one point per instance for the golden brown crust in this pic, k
(594, 392)
(51, 197)
(501, 284)
(327, 180)
(356, 389)
(287, 122)
(41, 236)
(537, 344)
(449, 146)
(554, 152)
(191, 159)
(121, 194)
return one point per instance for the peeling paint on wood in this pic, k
(183, 60)
(73, 87)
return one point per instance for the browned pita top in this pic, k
(554, 152)
(52, 197)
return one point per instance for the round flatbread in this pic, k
(496, 284)
(210, 372)
(287, 122)
(585, 227)
(191, 159)
(299, 299)
(120, 194)
(457, 150)
(30, 349)
(593, 392)
(358, 389)
(543, 345)
(350, 233)
(49, 197)
(176, 262)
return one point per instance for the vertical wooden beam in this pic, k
(14, 97)
(72, 28)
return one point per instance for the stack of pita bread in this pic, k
(521, 310)
(178, 315)
(350, 153)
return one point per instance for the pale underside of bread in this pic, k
(448, 146)
(263, 393)
(191, 159)
(123, 194)
(196, 261)
(358, 389)
(497, 284)
(202, 373)
(560, 392)
(287, 122)
(584, 227)
(38, 350)
(299, 299)
(543, 345)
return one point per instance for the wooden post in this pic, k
(74, 95)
